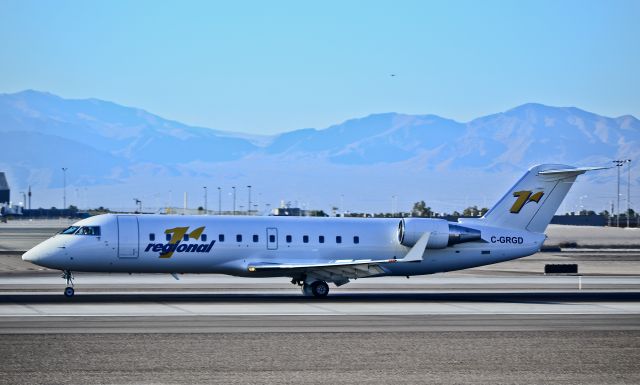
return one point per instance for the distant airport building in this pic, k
(5, 193)
(287, 211)
(580, 220)
(297, 212)
(5, 200)
(54, 213)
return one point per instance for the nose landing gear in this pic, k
(68, 291)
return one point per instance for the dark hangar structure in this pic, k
(4, 189)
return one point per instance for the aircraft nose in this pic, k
(31, 255)
(40, 254)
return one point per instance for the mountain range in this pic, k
(117, 152)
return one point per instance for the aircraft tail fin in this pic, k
(533, 201)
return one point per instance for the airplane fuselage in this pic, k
(231, 244)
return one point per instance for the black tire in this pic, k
(306, 290)
(319, 289)
(69, 292)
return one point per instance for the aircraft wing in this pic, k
(340, 270)
(262, 266)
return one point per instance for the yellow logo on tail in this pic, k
(524, 197)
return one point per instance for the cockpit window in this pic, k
(69, 230)
(89, 230)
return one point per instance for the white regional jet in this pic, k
(311, 251)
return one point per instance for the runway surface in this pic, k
(591, 349)
(398, 304)
(224, 337)
(324, 323)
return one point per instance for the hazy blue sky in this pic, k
(267, 67)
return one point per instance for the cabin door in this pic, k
(272, 238)
(127, 236)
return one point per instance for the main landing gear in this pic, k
(311, 286)
(318, 289)
(68, 291)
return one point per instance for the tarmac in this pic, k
(503, 323)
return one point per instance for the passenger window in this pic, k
(338, 239)
(203, 237)
(321, 239)
(185, 237)
(272, 238)
(152, 237)
(239, 238)
(220, 237)
(255, 237)
(356, 239)
(288, 238)
(168, 237)
(305, 238)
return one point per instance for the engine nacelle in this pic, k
(461, 234)
(443, 233)
(411, 229)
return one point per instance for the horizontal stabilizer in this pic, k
(574, 171)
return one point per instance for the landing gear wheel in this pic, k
(319, 289)
(69, 292)
(306, 290)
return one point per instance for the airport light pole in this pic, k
(629, 193)
(393, 205)
(219, 201)
(581, 205)
(249, 205)
(234, 200)
(205, 200)
(64, 187)
(619, 164)
(29, 197)
(610, 220)
(257, 204)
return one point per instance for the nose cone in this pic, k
(41, 254)
(30, 256)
